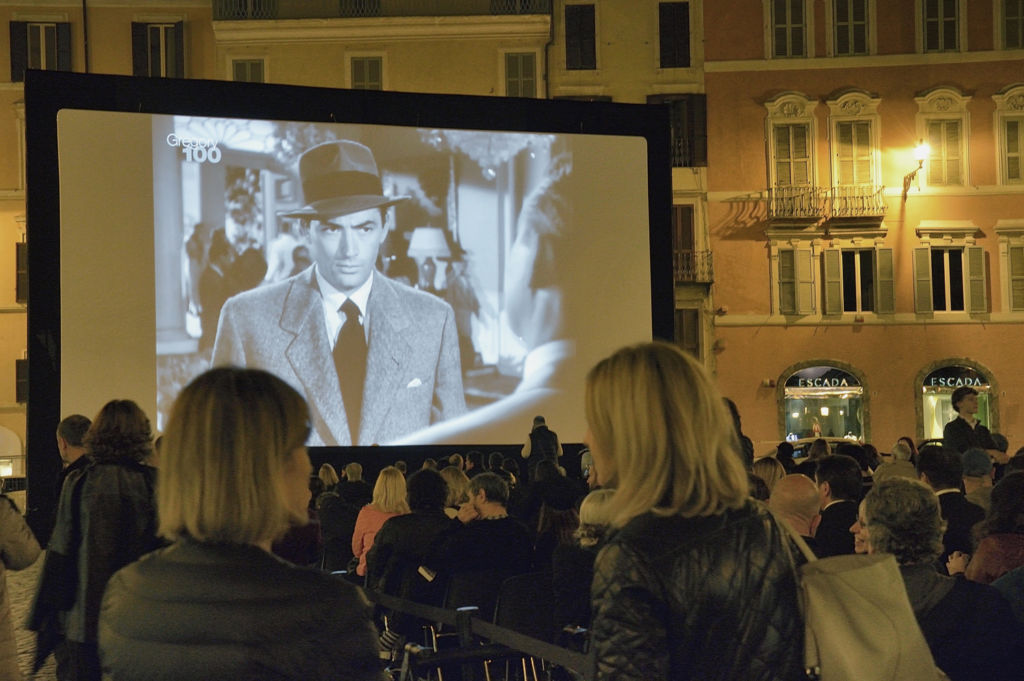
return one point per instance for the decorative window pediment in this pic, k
(791, 131)
(960, 232)
(853, 103)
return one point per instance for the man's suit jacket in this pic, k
(960, 516)
(413, 373)
(833, 535)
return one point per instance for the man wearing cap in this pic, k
(375, 359)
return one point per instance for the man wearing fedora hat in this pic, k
(374, 358)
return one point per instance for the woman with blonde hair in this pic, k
(328, 476)
(458, 483)
(216, 604)
(696, 582)
(389, 500)
(769, 469)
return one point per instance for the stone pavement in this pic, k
(21, 587)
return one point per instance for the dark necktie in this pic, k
(350, 363)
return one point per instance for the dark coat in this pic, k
(224, 611)
(960, 516)
(833, 535)
(400, 547)
(969, 627)
(106, 518)
(710, 598)
(572, 572)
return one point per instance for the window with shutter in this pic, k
(1013, 129)
(941, 25)
(789, 28)
(688, 120)
(833, 281)
(922, 280)
(976, 295)
(674, 34)
(885, 289)
(792, 155)
(804, 281)
(247, 70)
(367, 73)
(1016, 275)
(521, 74)
(1013, 24)
(787, 281)
(158, 49)
(43, 45)
(580, 39)
(688, 331)
(944, 160)
(851, 27)
(854, 152)
(947, 277)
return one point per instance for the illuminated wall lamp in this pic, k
(921, 153)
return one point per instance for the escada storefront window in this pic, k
(823, 401)
(937, 391)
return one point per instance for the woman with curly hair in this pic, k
(1001, 535)
(106, 519)
(969, 627)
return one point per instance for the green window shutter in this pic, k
(19, 50)
(64, 46)
(833, 281)
(176, 47)
(976, 299)
(804, 282)
(923, 280)
(787, 281)
(885, 288)
(140, 50)
(1016, 257)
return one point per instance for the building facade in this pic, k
(866, 212)
(618, 50)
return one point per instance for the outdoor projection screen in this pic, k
(133, 180)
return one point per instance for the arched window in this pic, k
(823, 401)
(937, 390)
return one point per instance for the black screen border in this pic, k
(48, 92)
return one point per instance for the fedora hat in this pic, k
(339, 178)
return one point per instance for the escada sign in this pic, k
(822, 377)
(939, 382)
(823, 383)
(955, 376)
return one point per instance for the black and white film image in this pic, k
(465, 239)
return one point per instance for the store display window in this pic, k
(823, 401)
(937, 391)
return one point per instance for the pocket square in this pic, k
(414, 383)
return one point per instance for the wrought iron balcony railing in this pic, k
(856, 201)
(795, 202)
(233, 10)
(693, 267)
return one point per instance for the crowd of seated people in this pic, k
(673, 561)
